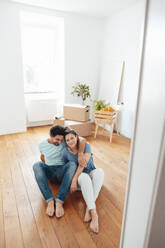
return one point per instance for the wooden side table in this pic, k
(106, 117)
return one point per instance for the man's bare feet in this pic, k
(59, 210)
(94, 225)
(50, 208)
(87, 216)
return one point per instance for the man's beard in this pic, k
(56, 143)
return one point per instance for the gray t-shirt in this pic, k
(68, 156)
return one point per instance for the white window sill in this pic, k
(40, 96)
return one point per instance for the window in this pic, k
(43, 53)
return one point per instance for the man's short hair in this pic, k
(57, 130)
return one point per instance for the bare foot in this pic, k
(94, 225)
(87, 216)
(50, 208)
(59, 210)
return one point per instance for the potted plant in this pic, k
(81, 90)
(100, 104)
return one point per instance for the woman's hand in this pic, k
(73, 186)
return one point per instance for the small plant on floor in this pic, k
(81, 90)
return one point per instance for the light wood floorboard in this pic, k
(23, 222)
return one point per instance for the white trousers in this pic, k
(90, 185)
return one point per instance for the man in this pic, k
(52, 168)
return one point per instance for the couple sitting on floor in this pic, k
(67, 158)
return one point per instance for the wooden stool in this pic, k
(106, 117)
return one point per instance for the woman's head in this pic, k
(71, 138)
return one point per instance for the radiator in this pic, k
(41, 110)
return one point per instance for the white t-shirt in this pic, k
(52, 153)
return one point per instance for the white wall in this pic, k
(83, 36)
(12, 109)
(122, 41)
(157, 237)
(83, 53)
(144, 166)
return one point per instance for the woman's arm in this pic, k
(87, 155)
(79, 170)
(73, 186)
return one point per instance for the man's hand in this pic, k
(82, 160)
(42, 158)
(73, 186)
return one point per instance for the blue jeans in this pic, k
(56, 174)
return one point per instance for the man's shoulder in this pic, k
(87, 144)
(43, 143)
(87, 147)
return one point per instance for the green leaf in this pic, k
(81, 90)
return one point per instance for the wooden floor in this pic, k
(23, 222)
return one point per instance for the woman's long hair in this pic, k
(72, 131)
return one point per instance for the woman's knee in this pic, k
(83, 178)
(98, 173)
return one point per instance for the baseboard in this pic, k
(39, 123)
(22, 130)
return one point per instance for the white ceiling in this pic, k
(98, 8)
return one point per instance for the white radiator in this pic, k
(41, 110)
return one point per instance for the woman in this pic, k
(89, 179)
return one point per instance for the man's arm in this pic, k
(42, 158)
(81, 158)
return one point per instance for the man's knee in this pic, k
(39, 171)
(36, 166)
(71, 164)
(71, 168)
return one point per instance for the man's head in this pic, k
(57, 134)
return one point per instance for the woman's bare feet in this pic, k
(87, 216)
(59, 210)
(50, 208)
(94, 225)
